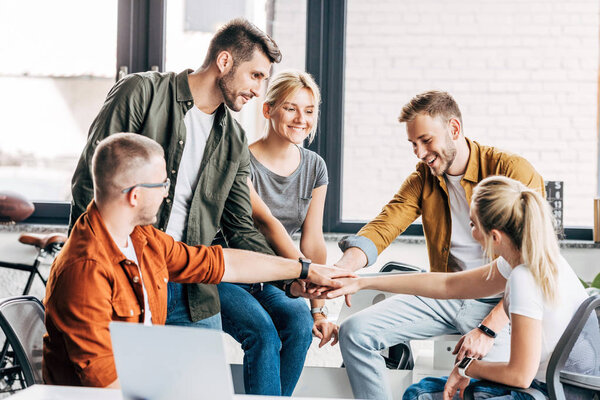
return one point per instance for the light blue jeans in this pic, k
(178, 312)
(399, 319)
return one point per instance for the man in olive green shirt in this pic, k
(439, 191)
(209, 168)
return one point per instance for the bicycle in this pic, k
(48, 245)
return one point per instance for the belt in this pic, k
(487, 300)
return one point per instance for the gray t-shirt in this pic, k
(288, 197)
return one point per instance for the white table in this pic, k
(49, 392)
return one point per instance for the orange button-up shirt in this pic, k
(92, 283)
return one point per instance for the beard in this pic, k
(446, 157)
(229, 94)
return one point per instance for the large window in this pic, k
(58, 63)
(525, 74)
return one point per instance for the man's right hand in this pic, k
(324, 277)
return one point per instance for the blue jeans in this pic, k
(433, 388)
(178, 312)
(398, 319)
(275, 332)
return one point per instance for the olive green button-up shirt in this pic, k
(154, 104)
(426, 195)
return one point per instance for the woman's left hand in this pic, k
(455, 382)
(325, 330)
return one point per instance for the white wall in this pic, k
(524, 72)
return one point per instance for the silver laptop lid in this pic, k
(169, 362)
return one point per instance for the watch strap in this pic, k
(462, 370)
(305, 268)
(487, 331)
(287, 286)
(319, 310)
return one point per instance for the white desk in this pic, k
(49, 392)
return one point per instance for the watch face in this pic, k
(325, 310)
(464, 362)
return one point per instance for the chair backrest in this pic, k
(22, 321)
(577, 351)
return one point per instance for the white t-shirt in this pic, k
(129, 252)
(465, 250)
(198, 126)
(524, 297)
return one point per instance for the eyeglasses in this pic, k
(165, 185)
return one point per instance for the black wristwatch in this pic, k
(287, 288)
(305, 267)
(487, 331)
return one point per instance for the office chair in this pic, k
(399, 355)
(22, 322)
(574, 366)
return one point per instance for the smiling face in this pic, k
(243, 81)
(432, 141)
(295, 118)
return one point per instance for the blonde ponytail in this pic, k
(509, 206)
(539, 247)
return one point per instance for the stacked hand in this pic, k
(321, 280)
(345, 285)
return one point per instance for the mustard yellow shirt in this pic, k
(426, 195)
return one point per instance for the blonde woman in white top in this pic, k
(541, 291)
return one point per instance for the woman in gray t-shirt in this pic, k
(288, 187)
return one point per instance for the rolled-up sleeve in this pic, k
(192, 264)
(364, 243)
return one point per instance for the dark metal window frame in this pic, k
(141, 47)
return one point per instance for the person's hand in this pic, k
(455, 382)
(474, 344)
(324, 277)
(325, 330)
(298, 289)
(348, 287)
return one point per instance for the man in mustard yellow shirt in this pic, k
(439, 190)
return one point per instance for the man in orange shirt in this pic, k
(116, 265)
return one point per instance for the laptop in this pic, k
(170, 362)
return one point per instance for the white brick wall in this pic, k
(524, 72)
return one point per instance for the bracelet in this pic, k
(287, 286)
(487, 331)
(463, 365)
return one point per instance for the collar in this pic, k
(103, 236)
(472, 172)
(184, 94)
(182, 85)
